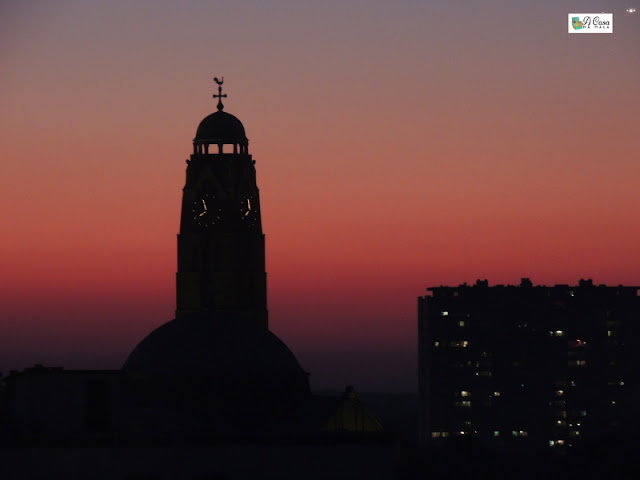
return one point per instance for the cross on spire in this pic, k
(219, 96)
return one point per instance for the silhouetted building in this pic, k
(210, 394)
(54, 403)
(218, 351)
(221, 247)
(527, 367)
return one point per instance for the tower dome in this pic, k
(221, 127)
(217, 368)
(216, 343)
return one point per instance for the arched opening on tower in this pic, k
(220, 148)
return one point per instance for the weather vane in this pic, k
(219, 96)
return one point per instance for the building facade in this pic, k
(528, 367)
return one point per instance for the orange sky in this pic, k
(398, 146)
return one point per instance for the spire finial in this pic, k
(219, 96)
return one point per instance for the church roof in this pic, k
(221, 127)
(213, 343)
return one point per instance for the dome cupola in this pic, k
(220, 129)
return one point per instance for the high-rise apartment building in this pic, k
(527, 367)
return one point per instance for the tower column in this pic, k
(221, 259)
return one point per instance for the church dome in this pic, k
(213, 344)
(212, 372)
(221, 127)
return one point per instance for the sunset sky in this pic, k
(399, 145)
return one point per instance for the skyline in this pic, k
(393, 153)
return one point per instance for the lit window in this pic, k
(461, 323)
(574, 433)
(496, 394)
(559, 393)
(463, 403)
(435, 434)
(560, 423)
(445, 434)
(437, 344)
(558, 333)
(552, 443)
(465, 393)
(583, 413)
(577, 363)
(496, 433)
(559, 442)
(460, 343)
(444, 314)
(621, 383)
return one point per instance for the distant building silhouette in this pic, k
(528, 367)
(210, 394)
(221, 247)
(219, 350)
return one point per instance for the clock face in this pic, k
(206, 210)
(248, 210)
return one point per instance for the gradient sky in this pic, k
(399, 145)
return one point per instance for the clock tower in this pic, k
(217, 359)
(221, 247)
